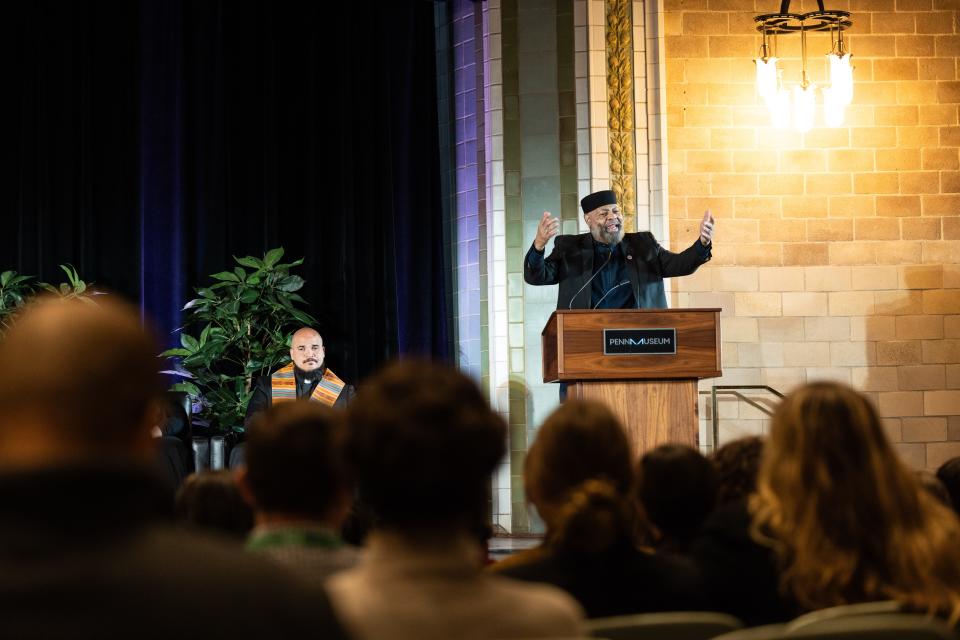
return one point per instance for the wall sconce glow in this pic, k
(804, 107)
(767, 83)
(841, 77)
(779, 107)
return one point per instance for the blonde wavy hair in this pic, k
(847, 520)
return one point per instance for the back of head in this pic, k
(211, 500)
(848, 520)
(294, 459)
(578, 474)
(78, 377)
(737, 464)
(678, 490)
(423, 442)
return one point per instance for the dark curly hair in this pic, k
(737, 463)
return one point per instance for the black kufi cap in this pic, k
(598, 199)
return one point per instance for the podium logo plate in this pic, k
(644, 342)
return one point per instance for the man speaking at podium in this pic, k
(607, 269)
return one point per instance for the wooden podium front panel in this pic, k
(653, 412)
(572, 343)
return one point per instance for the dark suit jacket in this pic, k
(571, 265)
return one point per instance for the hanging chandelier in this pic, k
(798, 105)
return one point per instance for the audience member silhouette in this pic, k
(579, 476)
(737, 464)
(424, 443)
(212, 501)
(847, 519)
(297, 482)
(677, 491)
(88, 546)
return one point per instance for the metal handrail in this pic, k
(734, 390)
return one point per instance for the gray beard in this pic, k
(600, 235)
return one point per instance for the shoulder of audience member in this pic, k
(551, 608)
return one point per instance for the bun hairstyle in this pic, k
(579, 475)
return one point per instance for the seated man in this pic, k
(305, 377)
(88, 548)
(297, 483)
(424, 443)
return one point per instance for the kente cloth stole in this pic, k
(284, 386)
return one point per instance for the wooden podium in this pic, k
(644, 364)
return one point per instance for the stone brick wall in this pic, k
(836, 252)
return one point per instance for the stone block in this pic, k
(828, 184)
(941, 205)
(783, 230)
(876, 229)
(919, 327)
(940, 159)
(760, 254)
(874, 378)
(852, 253)
(873, 278)
(874, 183)
(781, 329)
(941, 403)
(758, 304)
(898, 206)
(781, 185)
(899, 253)
(804, 303)
(900, 115)
(873, 137)
(805, 253)
(815, 206)
(897, 404)
(946, 252)
(733, 329)
(943, 351)
(899, 352)
(735, 279)
(832, 374)
(829, 230)
(806, 354)
(733, 184)
(851, 160)
(898, 159)
(803, 161)
(912, 454)
(781, 279)
(940, 452)
(760, 354)
(873, 328)
(920, 228)
(898, 303)
(922, 377)
(916, 182)
(757, 207)
(853, 354)
(851, 303)
(941, 301)
(826, 329)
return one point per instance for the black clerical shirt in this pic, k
(611, 287)
(304, 388)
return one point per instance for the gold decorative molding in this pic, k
(620, 108)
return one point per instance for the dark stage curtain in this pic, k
(155, 140)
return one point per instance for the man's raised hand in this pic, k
(548, 227)
(706, 228)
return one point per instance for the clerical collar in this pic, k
(309, 377)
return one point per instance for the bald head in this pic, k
(306, 349)
(77, 379)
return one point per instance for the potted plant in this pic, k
(239, 329)
(16, 291)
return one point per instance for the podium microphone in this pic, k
(570, 306)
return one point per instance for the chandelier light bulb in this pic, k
(841, 77)
(767, 84)
(804, 107)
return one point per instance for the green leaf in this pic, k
(291, 283)
(273, 256)
(249, 261)
(71, 274)
(173, 353)
(79, 287)
(189, 342)
(5, 278)
(64, 288)
(249, 295)
(225, 275)
(187, 387)
(253, 279)
(241, 273)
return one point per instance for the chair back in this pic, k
(814, 619)
(680, 625)
(877, 626)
